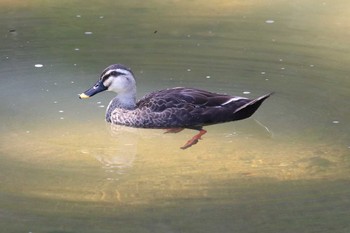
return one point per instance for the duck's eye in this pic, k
(114, 73)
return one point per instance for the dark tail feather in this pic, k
(249, 108)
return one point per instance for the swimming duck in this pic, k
(173, 109)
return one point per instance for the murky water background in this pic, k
(63, 169)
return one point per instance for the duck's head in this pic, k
(117, 78)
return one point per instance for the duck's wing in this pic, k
(185, 97)
(192, 108)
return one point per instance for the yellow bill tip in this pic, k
(83, 96)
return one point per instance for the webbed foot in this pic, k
(194, 140)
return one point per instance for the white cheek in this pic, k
(117, 85)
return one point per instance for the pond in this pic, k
(285, 169)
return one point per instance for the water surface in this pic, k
(63, 169)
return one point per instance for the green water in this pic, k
(63, 169)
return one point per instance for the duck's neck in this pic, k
(122, 100)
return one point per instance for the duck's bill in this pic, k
(98, 87)
(83, 96)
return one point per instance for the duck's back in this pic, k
(181, 97)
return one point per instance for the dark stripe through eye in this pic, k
(113, 73)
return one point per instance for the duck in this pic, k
(171, 109)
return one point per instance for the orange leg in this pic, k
(194, 140)
(173, 130)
